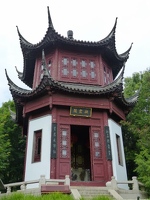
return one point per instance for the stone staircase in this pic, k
(90, 192)
(130, 194)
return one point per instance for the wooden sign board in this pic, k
(54, 141)
(81, 111)
(108, 143)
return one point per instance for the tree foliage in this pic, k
(12, 146)
(137, 128)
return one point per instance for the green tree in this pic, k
(12, 146)
(130, 136)
(137, 128)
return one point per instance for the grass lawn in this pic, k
(52, 196)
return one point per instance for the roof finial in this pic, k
(49, 18)
(70, 34)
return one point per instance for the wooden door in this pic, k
(64, 151)
(97, 162)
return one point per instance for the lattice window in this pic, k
(65, 71)
(74, 73)
(84, 74)
(92, 70)
(96, 144)
(65, 67)
(92, 64)
(78, 68)
(74, 68)
(84, 69)
(74, 62)
(65, 61)
(83, 63)
(64, 150)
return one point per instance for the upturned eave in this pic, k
(53, 40)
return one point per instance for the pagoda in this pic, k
(71, 115)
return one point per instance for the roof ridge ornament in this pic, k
(8, 79)
(13, 86)
(112, 32)
(44, 65)
(22, 39)
(126, 53)
(18, 31)
(49, 18)
(20, 74)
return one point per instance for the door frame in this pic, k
(95, 121)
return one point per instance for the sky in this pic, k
(89, 20)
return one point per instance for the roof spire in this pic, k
(49, 18)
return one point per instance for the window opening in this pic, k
(106, 75)
(37, 145)
(49, 66)
(119, 151)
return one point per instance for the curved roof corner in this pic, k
(49, 18)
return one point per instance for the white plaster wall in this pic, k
(119, 171)
(34, 170)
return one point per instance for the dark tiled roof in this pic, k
(106, 47)
(48, 83)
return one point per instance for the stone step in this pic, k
(90, 192)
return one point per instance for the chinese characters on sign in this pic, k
(108, 144)
(54, 141)
(81, 111)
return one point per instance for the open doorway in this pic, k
(80, 153)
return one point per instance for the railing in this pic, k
(41, 181)
(135, 184)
